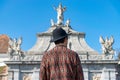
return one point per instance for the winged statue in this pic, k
(14, 45)
(107, 45)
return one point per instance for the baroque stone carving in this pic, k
(68, 23)
(27, 58)
(83, 57)
(96, 77)
(27, 77)
(107, 45)
(52, 22)
(15, 47)
(60, 11)
(39, 57)
(95, 57)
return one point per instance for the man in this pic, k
(60, 63)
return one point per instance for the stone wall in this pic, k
(94, 68)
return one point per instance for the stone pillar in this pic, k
(86, 75)
(112, 75)
(106, 75)
(36, 75)
(16, 75)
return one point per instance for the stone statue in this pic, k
(52, 22)
(14, 46)
(68, 23)
(107, 45)
(27, 77)
(96, 77)
(60, 11)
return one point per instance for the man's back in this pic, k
(61, 63)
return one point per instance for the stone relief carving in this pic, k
(15, 47)
(107, 45)
(83, 57)
(67, 23)
(95, 57)
(39, 57)
(27, 58)
(52, 22)
(60, 11)
(96, 76)
(27, 77)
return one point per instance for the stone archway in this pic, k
(3, 71)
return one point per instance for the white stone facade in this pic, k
(94, 66)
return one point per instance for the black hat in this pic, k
(58, 33)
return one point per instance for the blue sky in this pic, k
(26, 18)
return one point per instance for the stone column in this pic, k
(16, 75)
(112, 75)
(86, 74)
(106, 75)
(36, 75)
